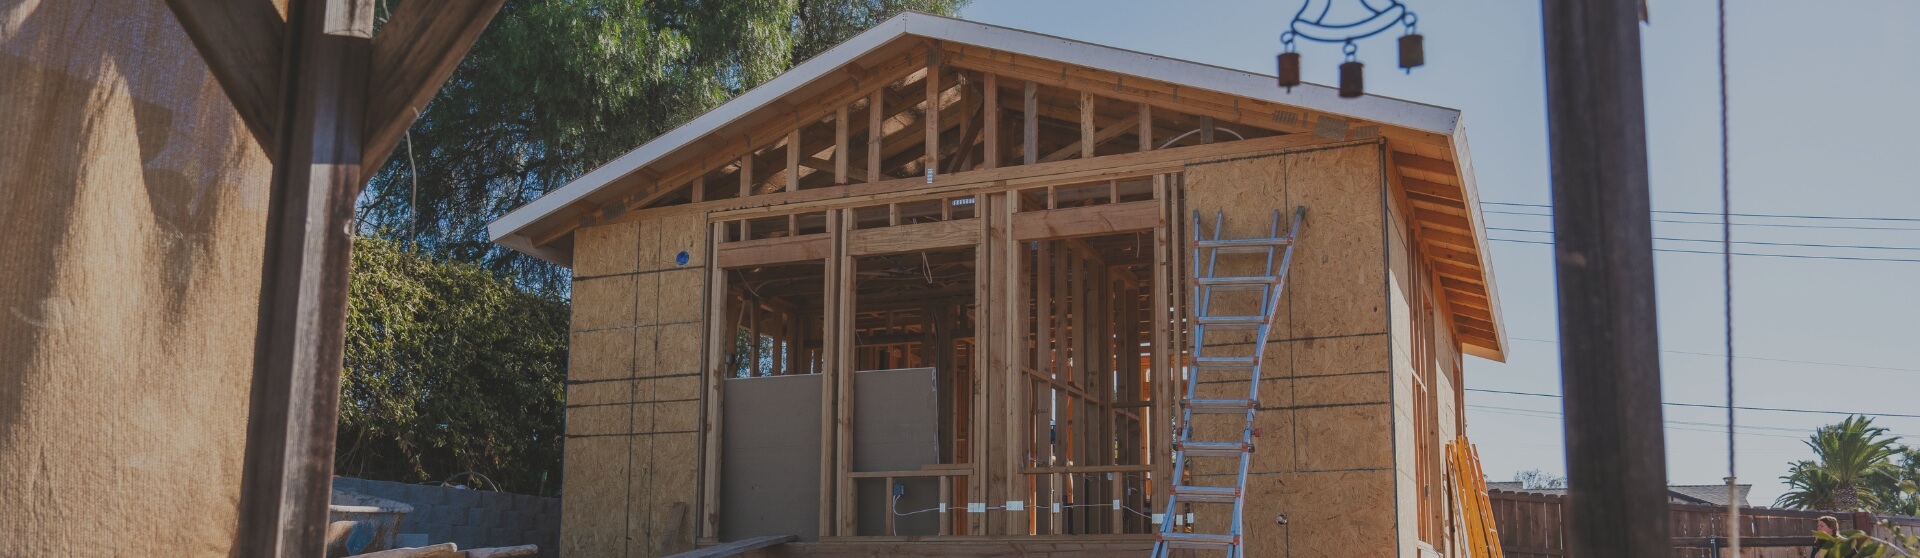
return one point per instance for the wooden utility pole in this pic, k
(328, 101)
(1609, 349)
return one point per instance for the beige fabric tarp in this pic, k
(132, 209)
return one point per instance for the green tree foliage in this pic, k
(556, 87)
(449, 369)
(1851, 457)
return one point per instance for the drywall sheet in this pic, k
(896, 427)
(770, 457)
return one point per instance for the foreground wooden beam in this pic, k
(241, 42)
(293, 417)
(1603, 239)
(414, 54)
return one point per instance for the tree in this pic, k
(556, 87)
(449, 369)
(1894, 491)
(1537, 479)
(1849, 458)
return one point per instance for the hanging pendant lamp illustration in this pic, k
(1376, 17)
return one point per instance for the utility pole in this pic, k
(1609, 348)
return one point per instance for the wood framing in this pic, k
(1034, 254)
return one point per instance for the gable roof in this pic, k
(1437, 135)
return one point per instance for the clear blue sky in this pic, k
(1823, 114)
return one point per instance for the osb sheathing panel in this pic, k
(594, 509)
(133, 202)
(606, 250)
(637, 322)
(602, 354)
(603, 302)
(1325, 455)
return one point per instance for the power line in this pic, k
(1753, 254)
(1779, 225)
(1717, 213)
(1753, 242)
(1815, 362)
(1710, 406)
(1713, 428)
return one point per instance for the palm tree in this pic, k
(1851, 456)
(1808, 487)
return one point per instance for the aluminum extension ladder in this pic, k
(1259, 290)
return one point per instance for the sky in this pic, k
(1822, 109)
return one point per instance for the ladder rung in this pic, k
(1254, 280)
(1232, 320)
(1222, 362)
(1199, 540)
(1212, 449)
(1245, 242)
(1208, 494)
(1219, 405)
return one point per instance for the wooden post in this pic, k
(719, 340)
(840, 145)
(876, 116)
(932, 117)
(1609, 347)
(1146, 127)
(793, 160)
(287, 476)
(1086, 125)
(990, 123)
(1030, 125)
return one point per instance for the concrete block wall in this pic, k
(469, 518)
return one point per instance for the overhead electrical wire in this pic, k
(1743, 357)
(1717, 406)
(1717, 213)
(1753, 242)
(1754, 254)
(1783, 225)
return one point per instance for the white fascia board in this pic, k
(1386, 110)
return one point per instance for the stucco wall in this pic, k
(132, 204)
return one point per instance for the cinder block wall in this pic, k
(633, 387)
(469, 518)
(1326, 454)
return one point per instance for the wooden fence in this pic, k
(1532, 526)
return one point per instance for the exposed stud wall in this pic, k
(1325, 454)
(633, 410)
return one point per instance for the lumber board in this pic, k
(767, 251)
(914, 237)
(413, 55)
(737, 548)
(1093, 220)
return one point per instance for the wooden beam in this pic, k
(1406, 160)
(414, 54)
(1086, 221)
(914, 238)
(293, 412)
(1030, 125)
(746, 175)
(737, 548)
(770, 251)
(240, 40)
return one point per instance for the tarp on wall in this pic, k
(132, 212)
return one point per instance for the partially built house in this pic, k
(930, 293)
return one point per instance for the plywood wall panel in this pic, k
(1340, 355)
(638, 495)
(599, 393)
(680, 233)
(593, 504)
(1343, 389)
(1339, 269)
(1344, 437)
(600, 420)
(606, 250)
(601, 354)
(603, 302)
(679, 351)
(675, 460)
(675, 290)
